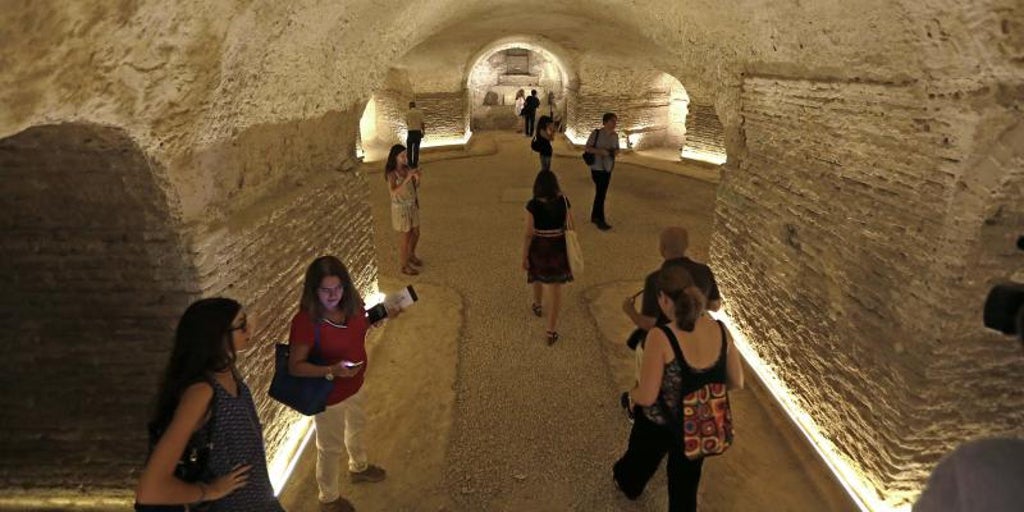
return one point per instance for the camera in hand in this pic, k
(400, 300)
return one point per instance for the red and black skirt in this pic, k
(548, 258)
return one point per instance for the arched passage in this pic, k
(94, 277)
(502, 68)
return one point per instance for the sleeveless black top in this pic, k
(681, 379)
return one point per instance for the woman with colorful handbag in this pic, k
(680, 405)
(331, 305)
(546, 257)
(207, 443)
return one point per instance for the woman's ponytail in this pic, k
(677, 284)
(689, 307)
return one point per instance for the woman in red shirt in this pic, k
(331, 311)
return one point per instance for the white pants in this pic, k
(339, 427)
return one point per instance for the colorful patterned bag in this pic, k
(706, 427)
(707, 422)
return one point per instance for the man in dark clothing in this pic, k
(674, 243)
(530, 112)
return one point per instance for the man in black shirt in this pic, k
(674, 243)
(530, 111)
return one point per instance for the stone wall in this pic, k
(444, 114)
(94, 274)
(641, 98)
(847, 298)
(704, 132)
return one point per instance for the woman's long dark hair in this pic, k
(202, 347)
(545, 186)
(542, 124)
(392, 163)
(327, 266)
(677, 284)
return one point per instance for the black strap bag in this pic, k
(589, 158)
(194, 464)
(307, 395)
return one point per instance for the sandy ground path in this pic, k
(473, 411)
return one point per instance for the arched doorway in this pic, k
(498, 71)
(94, 277)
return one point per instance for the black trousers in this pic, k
(601, 181)
(529, 120)
(648, 444)
(412, 147)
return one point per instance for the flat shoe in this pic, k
(552, 337)
(371, 474)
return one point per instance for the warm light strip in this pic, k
(101, 502)
(704, 156)
(287, 455)
(446, 141)
(850, 478)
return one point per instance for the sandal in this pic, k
(415, 261)
(409, 271)
(537, 310)
(552, 337)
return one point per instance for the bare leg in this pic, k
(556, 301)
(414, 240)
(538, 293)
(403, 249)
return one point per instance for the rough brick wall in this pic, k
(641, 98)
(704, 132)
(94, 276)
(444, 113)
(830, 247)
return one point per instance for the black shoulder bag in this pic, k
(589, 158)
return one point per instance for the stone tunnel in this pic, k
(863, 161)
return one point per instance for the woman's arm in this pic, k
(733, 364)
(651, 369)
(527, 238)
(157, 484)
(299, 365)
(394, 183)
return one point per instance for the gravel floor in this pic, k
(537, 427)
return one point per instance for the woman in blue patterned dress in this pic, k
(204, 397)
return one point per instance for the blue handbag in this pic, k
(307, 395)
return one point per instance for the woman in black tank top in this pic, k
(708, 356)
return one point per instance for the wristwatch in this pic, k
(330, 375)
